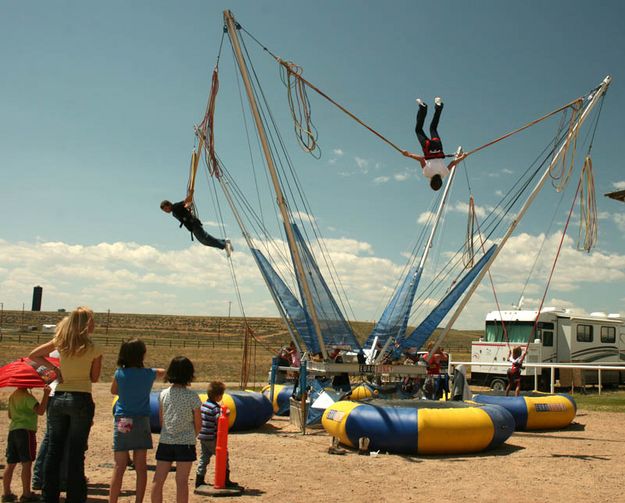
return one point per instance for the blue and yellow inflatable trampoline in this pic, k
(419, 426)
(281, 398)
(535, 410)
(248, 410)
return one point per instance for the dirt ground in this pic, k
(583, 462)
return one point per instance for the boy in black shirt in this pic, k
(181, 212)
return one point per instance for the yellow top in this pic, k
(76, 370)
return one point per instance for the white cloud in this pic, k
(211, 223)
(303, 216)
(462, 207)
(499, 193)
(338, 151)
(129, 277)
(425, 217)
(363, 164)
(619, 185)
(507, 171)
(402, 177)
(381, 179)
(619, 220)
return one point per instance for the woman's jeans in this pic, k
(70, 415)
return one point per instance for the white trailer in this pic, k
(560, 337)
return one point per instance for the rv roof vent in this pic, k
(614, 315)
(599, 314)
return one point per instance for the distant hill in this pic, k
(272, 331)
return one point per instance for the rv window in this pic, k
(584, 333)
(608, 334)
(547, 338)
(544, 332)
(545, 326)
(516, 332)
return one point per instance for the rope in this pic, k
(287, 66)
(553, 268)
(207, 127)
(299, 104)
(469, 249)
(561, 173)
(587, 209)
(528, 125)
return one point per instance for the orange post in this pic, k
(221, 450)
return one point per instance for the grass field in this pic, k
(607, 401)
(214, 344)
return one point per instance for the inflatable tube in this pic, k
(281, 398)
(535, 410)
(419, 426)
(248, 410)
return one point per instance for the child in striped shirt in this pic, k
(211, 410)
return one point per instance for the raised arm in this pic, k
(416, 157)
(39, 353)
(456, 160)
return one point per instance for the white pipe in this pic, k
(594, 98)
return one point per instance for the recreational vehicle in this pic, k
(560, 337)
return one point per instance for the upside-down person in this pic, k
(433, 159)
(181, 212)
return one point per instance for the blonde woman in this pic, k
(70, 412)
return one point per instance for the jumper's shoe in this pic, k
(420, 102)
(438, 101)
(9, 498)
(233, 485)
(336, 450)
(229, 248)
(199, 481)
(30, 498)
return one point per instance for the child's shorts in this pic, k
(21, 446)
(175, 452)
(131, 434)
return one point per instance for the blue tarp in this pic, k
(422, 333)
(394, 319)
(334, 328)
(289, 303)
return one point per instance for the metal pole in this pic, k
(225, 187)
(476, 282)
(428, 245)
(599, 380)
(297, 262)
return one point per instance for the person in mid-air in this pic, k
(433, 159)
(181, 212)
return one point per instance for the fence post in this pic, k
(553, 382)
(599, 370)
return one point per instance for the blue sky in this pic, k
(98, 103)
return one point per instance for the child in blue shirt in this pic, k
(132, 383)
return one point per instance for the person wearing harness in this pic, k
(515, 357)
(181, 212)
(433, 159)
